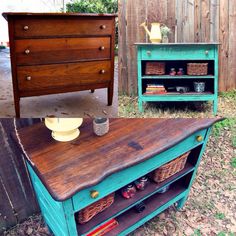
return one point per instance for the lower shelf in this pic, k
(179, 94)
(131, 217)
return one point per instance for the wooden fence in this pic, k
(190, 21)
(17, 199)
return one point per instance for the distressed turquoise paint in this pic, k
(178, 52)
(119, 179)
(183, 200)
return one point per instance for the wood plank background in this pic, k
(17, 199)
(192, 20)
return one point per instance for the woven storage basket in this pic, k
(170, 168)
(90, 211)
(197, 68)
(155, 68)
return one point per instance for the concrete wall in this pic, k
(26, 6)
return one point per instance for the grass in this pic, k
(233, 162)
(220, 216)
(128, 107)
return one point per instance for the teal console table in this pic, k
(65, 176)
(177, 55)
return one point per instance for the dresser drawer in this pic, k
(46, 51)
(177, 52)
(41, 27)
(33, 78)
(128, 175)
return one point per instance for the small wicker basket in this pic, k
(90, 211)
(197, 68)
(155, 68)
(170, 168)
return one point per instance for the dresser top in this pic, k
(174, 44)
(68, 167)
(7, 14)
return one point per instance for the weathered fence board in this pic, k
(190, 21)
(17, 199)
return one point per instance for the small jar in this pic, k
(199, 87)
(141, 183)
(140, 207)
(100, 126)
(128, 191)
(172, 71)
(181, 71)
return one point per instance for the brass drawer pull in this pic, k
(26, 27)
(207, 52)
(102, 48)
(28, 78)
(102, 72)
(27, 51)
(94, 194)
(103, 27)
(199, 138)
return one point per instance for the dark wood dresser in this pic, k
(60, 52)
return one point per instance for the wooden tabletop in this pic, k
(55, 14)
(176, 44)
(66, 168)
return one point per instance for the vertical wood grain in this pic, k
(197, 20)
(205, 20)
(214, 20)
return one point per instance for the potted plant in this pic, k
(165, 30)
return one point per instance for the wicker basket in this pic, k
(155, 68)
(170, 168)
(197, 68)
(90, 211)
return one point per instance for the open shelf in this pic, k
(178, 77)
(120, 204)
(180, 94)
(131, 216)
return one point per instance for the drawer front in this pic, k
(46, 51)
(196, 52)
(33, 78)
(124, 177)
(36, 27)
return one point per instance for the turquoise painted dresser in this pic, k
(68, 177)
(178, 55)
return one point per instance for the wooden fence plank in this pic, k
(224, 47)
(214, 20)
(197, 20)
(171, 19)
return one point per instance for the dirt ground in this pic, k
(128, 107)
(211, 207)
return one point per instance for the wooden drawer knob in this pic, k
(27, 51)
(102, 48)
(26, 27)
(103, 27)
(102, 72)
(207, 52)
(28, 78)
(94, 194)
(199, 138)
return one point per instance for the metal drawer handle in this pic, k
(102, 48)
(102, 71)
(28, 78)
(94, 194)
(199, 138)
(207, 52)
(27, 51)
(26, 27)
(149, 52)
(103, 27)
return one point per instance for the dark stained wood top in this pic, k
(66, 168)
(176, 44)
(56, 14)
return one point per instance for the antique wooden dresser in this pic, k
(178, 55)
(60, 52)
(68, 177)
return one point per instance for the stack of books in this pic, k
(155, 89)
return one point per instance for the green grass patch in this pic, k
(221, 234)
(226, 123)
(220, 216)
(229, 94)
(233, 162)
(197, 232)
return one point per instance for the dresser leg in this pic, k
(92, 90)
(17, 107)
(110, 95)
(181, 202)
(215, 105)
(140, 105)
